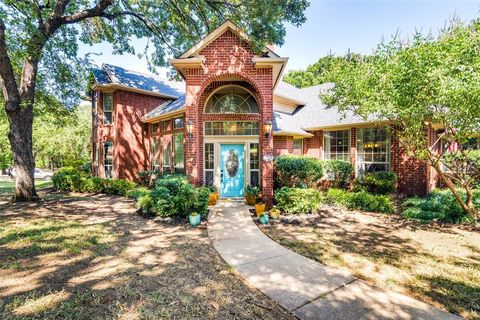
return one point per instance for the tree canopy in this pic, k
(319, 72)
(429, 82)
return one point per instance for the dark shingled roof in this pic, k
(118, 75)
(167, 107)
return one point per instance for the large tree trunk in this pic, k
(20, 136)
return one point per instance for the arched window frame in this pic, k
(211, 95)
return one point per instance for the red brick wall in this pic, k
(282, 145)
(130, 137)
(228, 60)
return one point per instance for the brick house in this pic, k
(230, 117)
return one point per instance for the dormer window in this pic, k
(231, 99)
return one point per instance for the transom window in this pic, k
(336, 145)
(231, 99)
(232, 128)
(373, 150)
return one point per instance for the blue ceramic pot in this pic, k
(195, 220)
(263, 219)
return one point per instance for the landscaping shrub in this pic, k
(439, 205)
(339, 171)
(174, 196)
(378, 182)
(70, 179)
(67, 179)
(361, 200)
(297, 171)
(296, 200)
(137, 192)
(146, 178)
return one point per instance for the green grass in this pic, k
(7, 187)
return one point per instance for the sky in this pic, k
(337, 26)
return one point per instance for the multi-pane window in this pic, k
(231, 128)
(373, 150)
(166, 125)
(95, 107)
(167, 157)
(178, 152)
(298, 146)
(178, 123)
(209, 162)
(155, 127)
(107, 108)
(336, 145)
(254, 164)
(231, 99)
(108, 159)
(155, 163)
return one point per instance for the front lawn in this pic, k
(437, 264)
(7, 187)
(93, 257)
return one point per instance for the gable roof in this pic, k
(212, 36)
(114, 76)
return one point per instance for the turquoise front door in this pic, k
(232, 171)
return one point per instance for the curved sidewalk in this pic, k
(307, 288)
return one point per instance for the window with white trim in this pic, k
(373, 150)
(167, 157)
(209, 163)
(254, 164)
(298, 147)
(108, 159)
(107, 108)
(231, 99)
(336, 145)
(155, 162)
(178, 153)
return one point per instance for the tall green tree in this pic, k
(428, 83)
(39, 43)
(319, 72)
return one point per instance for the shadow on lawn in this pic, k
(359, 245)
(147, 269)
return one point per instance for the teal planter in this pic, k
(263, 219)
(195, 220)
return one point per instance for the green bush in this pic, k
(174, 196)
(339, 171)
(439, 205)
(137, 192)
(68, 179)
(147, 177)
(360, 200)
(378, 182)
(297, 171)
(297, 201)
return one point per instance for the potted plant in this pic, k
(275, 213)
(213, 198)
(252, 193)
(259, 207)
(263, 218)
(194, 218)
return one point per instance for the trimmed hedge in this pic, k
(439, 205)
(361, 200)
(69, 179)
(297, 171)
(297, 201)
(173, 196)
(378, 182)
(339, 171)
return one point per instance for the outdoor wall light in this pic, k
(190, 129)
(267, 128)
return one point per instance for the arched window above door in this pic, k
(231, 99)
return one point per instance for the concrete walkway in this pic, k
(308, 289)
